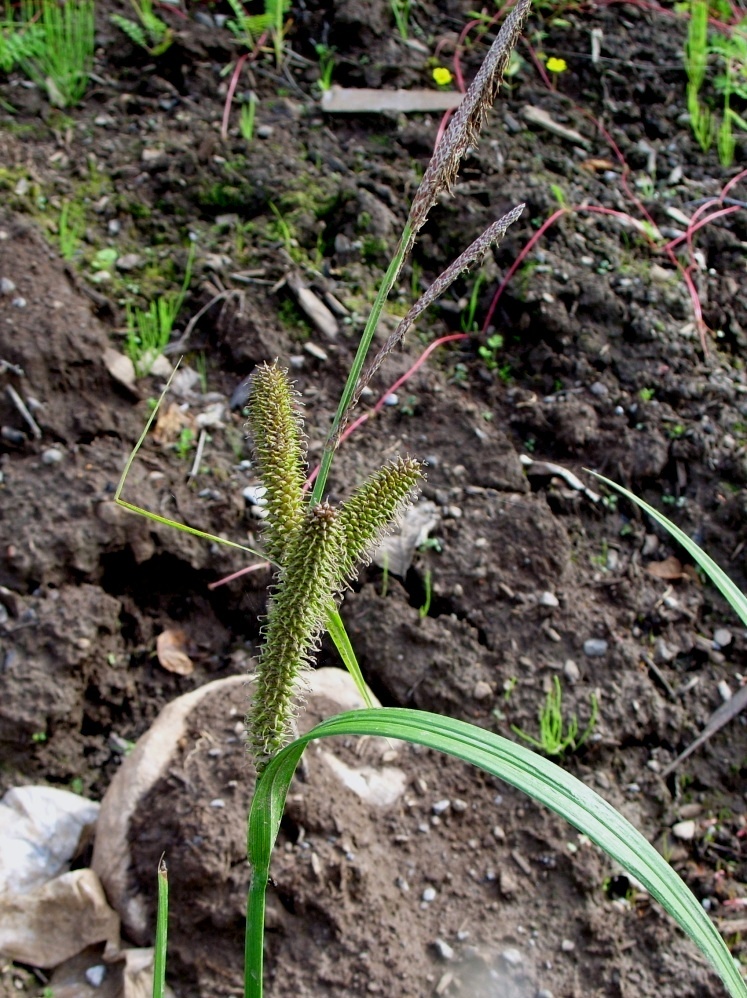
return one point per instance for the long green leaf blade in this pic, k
(536, 776)
(716, 574)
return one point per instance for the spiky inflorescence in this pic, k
(472, 255)
(374, 507)
(298, 609)
(277, 429)
(464, 127)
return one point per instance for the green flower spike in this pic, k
(295, 618)
(317, 548)
(275, 422)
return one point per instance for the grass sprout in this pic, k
(70, 228)
(401, 11)
(558, 735)
(149, 330)
(247, 116)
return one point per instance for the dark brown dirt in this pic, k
(601, 368)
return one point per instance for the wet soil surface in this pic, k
(527, 577)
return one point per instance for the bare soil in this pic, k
(602, 367)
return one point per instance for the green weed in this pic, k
(401, 10)
(489, 351)
(558, 736)
(247, 114)
(62, 58)
(149, 330)
(149, 31)
(248, 28)
(70, 227)
(326, 57)
(729, 52)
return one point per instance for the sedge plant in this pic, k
(315, 546)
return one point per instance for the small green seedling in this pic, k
(489, 351)
(149, 330)
(557, 737)
(247, 115)
(70, 227)
(249, 28)
(185, 443)
(468, 319)
(326, 56)
(428, 587)
(149, 31)
(401, 11)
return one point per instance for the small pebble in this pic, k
(130, 261)
(722, 637)
(548, 599)
(482, 690)
(441, 806)
(13, 436)
(684, 830)
(391, 399)
(265, 131)
(95, 975)
(315, 351)
(571, 671)
(443, 949)
(6, 286)
(428, 895)
(512, 957)
(113, 226)
(19, 302)
(724, 690)
(217, 802)
(598, 389)
(568, 946)
(595, 647)
(255, 495)
(52, 455)
(458, 805)
(545, 993)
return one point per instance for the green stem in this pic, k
(390, 277)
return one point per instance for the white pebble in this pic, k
(429, 894)
(440, 806)
(595, 647)
(52, 455)
(512, 957)
(571, 671)
(684, 830)
(443, 949)
(95, 975)
(568, 945)
(548, 599)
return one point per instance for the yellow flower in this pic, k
(442, 76)
(556, 65)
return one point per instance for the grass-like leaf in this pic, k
(717, 575)
(537, 777)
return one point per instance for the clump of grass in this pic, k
(558, 735)
(149, 330)
(62, 57)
